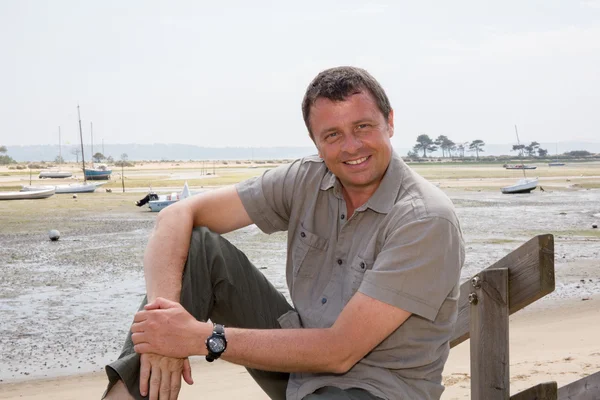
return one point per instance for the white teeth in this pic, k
(356, 162)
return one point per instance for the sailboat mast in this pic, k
(519, 143)
(81, 138)
(59, 146)
(92, 142)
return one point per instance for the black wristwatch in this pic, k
(216, 343)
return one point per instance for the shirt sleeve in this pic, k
(419, 264)
(267, 198)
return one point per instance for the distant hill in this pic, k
(184, 152)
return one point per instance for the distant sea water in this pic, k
(184, 152)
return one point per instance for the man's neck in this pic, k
(356, 198)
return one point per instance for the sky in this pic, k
(233, 73)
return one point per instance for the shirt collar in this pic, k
(385, 196)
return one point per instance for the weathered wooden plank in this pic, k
(531, 276)
(543, 391)
(587, 388)
(490, 378)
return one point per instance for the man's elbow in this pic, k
(343, 362)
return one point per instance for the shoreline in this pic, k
(549, 340)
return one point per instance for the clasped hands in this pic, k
(164, 327)
(165, 334)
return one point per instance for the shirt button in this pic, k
(323, 300)
(343, 216)
(339, 261)
(362, 265)
(302, 234)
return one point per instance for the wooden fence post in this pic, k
(543, 391)
(490, 379)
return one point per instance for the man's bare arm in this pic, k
(221, 210)
(363, 324)
(166, 328)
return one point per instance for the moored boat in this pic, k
(55, 174)
(27, 195)
(519, 166)
(99, 173)
(525, 185)
(70, 188)
(157, 202)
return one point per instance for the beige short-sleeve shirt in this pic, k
(403, 247)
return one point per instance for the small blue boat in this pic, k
(99, 173)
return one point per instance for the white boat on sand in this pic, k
(70, 188)
(525, 185)
(33, 194)
(55, 174)
(157, 202)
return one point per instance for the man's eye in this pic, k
(331, 135)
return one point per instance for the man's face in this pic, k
(353, 138)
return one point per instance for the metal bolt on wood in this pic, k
(476, 281)
(473, 298)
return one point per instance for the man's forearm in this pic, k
(167, 252)
(219, 210)
(287, 350)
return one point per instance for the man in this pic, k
(373, 264)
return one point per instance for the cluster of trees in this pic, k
(426, 145)
(99, 157)
(448, 147)
(530, 150)
(4, 158)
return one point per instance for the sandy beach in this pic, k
(65, 306)
(549, 341)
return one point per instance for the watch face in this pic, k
(216, 344)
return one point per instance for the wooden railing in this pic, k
(486, 300)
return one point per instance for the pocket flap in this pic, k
(290, 320)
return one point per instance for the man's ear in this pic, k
(390, 121)
(317, 146)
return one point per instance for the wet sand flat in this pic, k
(65, 306)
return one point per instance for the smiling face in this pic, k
(353, 139)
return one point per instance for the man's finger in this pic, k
(137, 327)
(143, 348)
(140, 316)
(160, 303)
(165, 385)
(154, 383)
(144, 376)
(175, 385)
(187, 372)
(138, 338)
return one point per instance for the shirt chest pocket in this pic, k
(308, 253)
(356, 272)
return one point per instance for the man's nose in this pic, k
(351, 143)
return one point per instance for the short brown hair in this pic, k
(337, 84)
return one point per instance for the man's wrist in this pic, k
(203, 331)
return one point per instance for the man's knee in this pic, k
(118, 392)
(201, 234)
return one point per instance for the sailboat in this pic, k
(524, 185)
(56, 173)
(101, 171)
(556, 163)
(85, 187)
